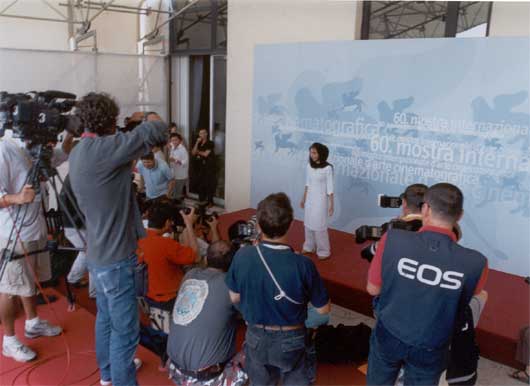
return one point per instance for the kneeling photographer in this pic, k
(164, 256)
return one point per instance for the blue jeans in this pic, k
(388, 354)
(272, 356)
(117, 323)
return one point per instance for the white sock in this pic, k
(32, 322)
(10, 341)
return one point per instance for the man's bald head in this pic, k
(219, 255)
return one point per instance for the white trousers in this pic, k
(79, 268)
(317, 240)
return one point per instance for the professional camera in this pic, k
(38, 117)
(167, 208)
(385, 201)
(374, 233)
(203, 215)
(243, 233)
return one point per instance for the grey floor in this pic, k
(489, 374)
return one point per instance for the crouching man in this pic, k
(202, 337)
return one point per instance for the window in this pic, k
(425, 19)
(200, 28)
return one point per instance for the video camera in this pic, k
(242, 233)
(38, 117)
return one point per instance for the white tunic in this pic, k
(319, 183)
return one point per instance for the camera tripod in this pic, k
(41, 170)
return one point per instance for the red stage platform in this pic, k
(506, 312)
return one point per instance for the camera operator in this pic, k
(18, 279)
(100, 173)
(422, 279)
(202, 339)
(412, 199)
(274, 285)
(164, 256)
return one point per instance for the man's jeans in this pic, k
(117, 324)
(272, 356)
(388, 354)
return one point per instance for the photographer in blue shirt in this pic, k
(157, 176)
(273, 286)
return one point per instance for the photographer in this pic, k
(412, 199)
(206, 231)
(18, 279)
(100, 173)
(274, 285)
(422, 279)
(164, 256)
(202, 338)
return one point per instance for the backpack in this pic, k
(342, 344)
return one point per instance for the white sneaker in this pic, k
(42, 328)
(19, 352)
(137, 363)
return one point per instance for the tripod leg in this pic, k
(70, 297)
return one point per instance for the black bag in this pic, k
(464, 352)
(343, 344)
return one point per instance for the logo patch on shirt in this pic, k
(190, 301)
(429, 274)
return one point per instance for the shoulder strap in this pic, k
(282, 293)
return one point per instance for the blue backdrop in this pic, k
(400, 112)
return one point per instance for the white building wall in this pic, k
(510, 19)
(252, 22)
(31, 34)
(116, 32)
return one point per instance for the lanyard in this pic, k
(282, 293)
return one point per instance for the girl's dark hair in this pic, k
(98, 113)
(323, 153)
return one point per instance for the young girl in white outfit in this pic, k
(318, 201)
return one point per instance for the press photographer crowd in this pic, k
(162, 276)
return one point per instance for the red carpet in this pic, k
(50, 368)
(506, 312)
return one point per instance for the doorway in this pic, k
(207, 109)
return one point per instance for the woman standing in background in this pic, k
(318, 201)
